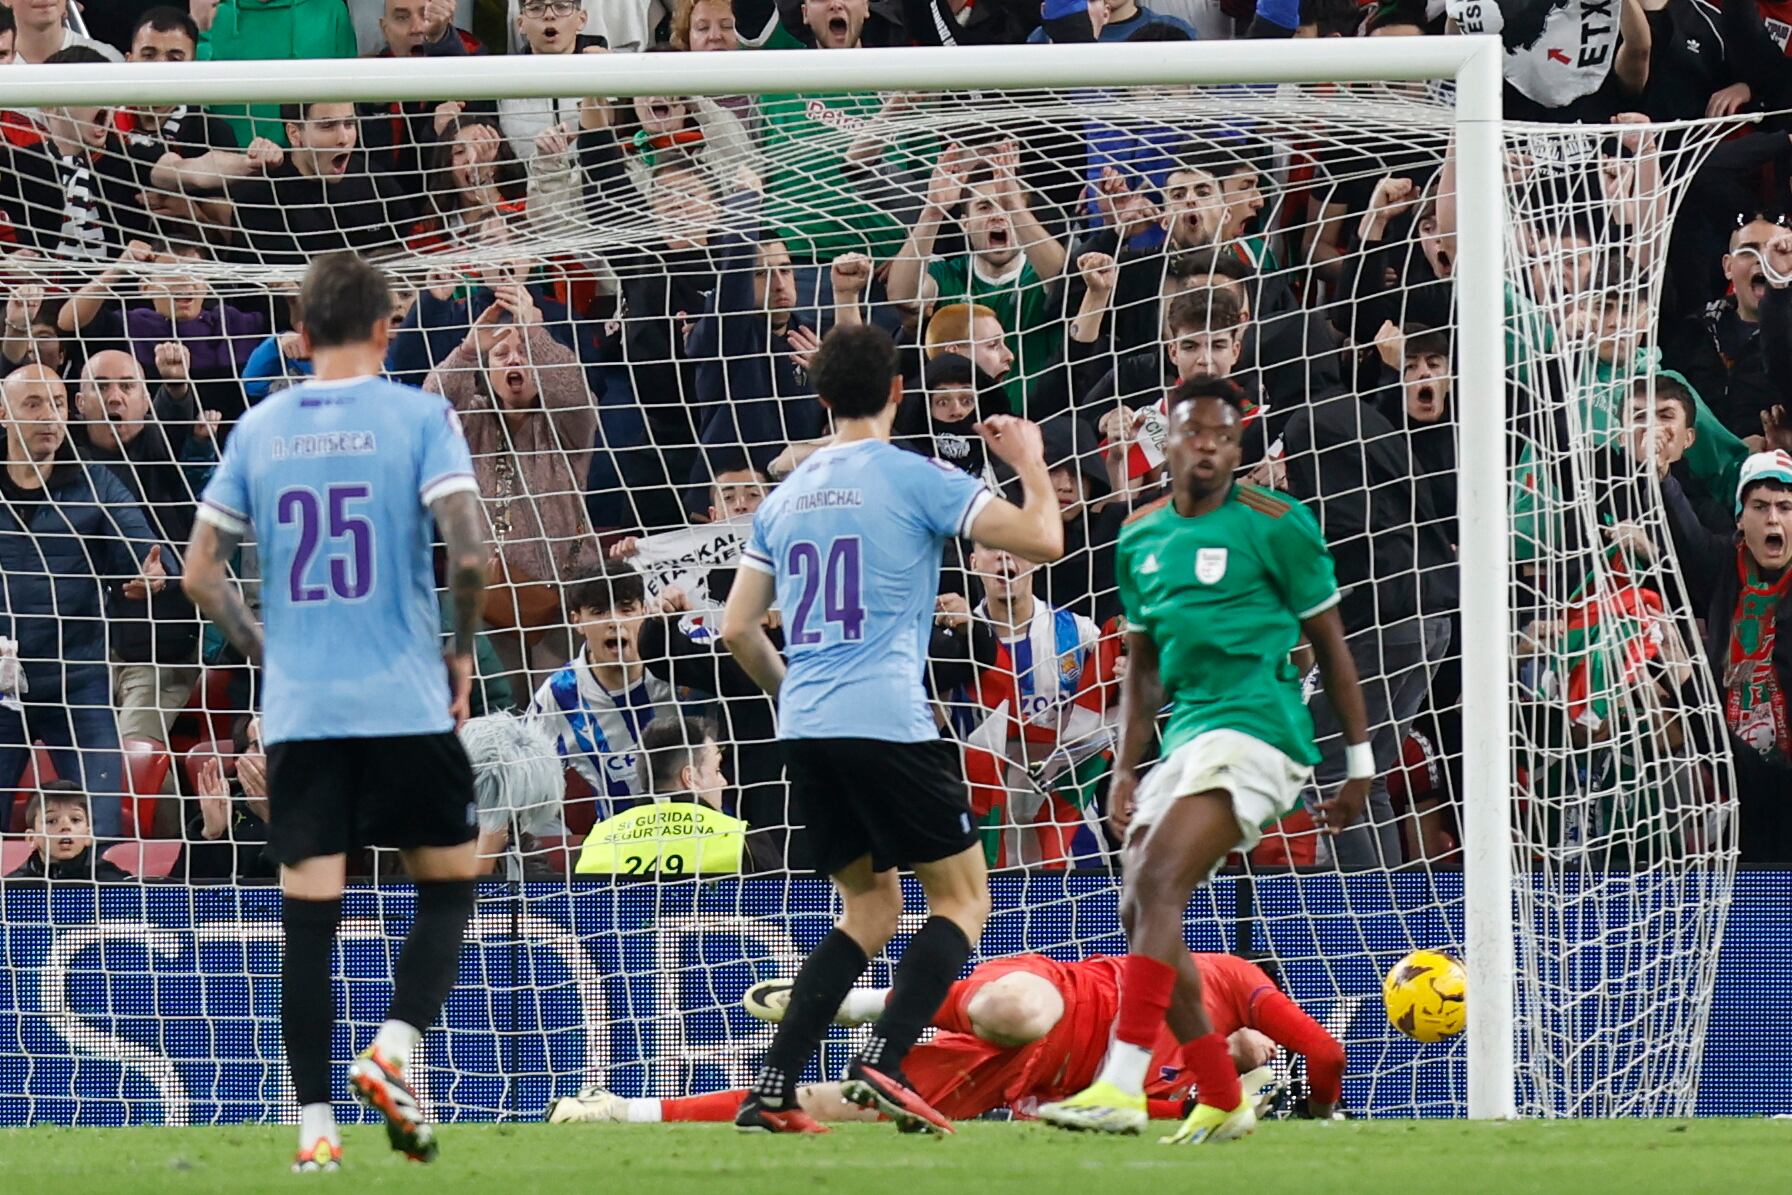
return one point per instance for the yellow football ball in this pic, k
(1426, 994)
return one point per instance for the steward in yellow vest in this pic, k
(673, 837)
(684, 831)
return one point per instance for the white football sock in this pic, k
(318, 1120)
(862, 1006)
(643, 1111)
(398, 1041)
(1125, 1067)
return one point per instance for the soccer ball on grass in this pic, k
(1426, 994)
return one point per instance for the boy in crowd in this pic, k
(597, 707)
(546, 27)
(1038, 704)
(62, 835)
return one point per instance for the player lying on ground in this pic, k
(343, 482)
(1027, 1029)
(1220, 581)
(848, 550)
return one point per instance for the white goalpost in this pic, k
(636, 987)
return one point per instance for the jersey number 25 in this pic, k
(317, 517)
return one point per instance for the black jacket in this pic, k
(397, 137)
(1082, 580)
(34, 194)
(289, 218)
(663, 290)
(1730, 364)
(239, 855)
(991, 23)
(1763, 784)
(1355, 473)
(85, 866)
(65, 552)
(165, 628)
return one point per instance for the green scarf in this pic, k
(1754, 702)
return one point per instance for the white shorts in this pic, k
(1264, 784)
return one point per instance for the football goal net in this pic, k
(618, 268)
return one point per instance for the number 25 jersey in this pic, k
(336, 478)
(853, 540)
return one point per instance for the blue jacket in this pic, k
(750, 394)
(65, 553)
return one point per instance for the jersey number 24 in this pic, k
(329, 516)
(833, 580)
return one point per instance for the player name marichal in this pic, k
(827, 500)
(324, 444)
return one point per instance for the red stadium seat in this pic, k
(38, 770)
(152, 860)
(146, 765)
(208, 714)
(13, 853)
(196, 757)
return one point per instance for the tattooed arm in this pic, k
(461, 521)
(207, 581)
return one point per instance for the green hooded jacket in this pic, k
(260, 30)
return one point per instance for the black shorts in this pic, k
(900, 803)
(333, 796)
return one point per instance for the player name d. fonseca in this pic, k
(827, 500)
(324, 444)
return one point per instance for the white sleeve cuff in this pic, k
(1322, 607)
(757, 563)
(224, 520)
(983, 497)
(448, 483)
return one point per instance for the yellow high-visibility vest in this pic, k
(667, 838)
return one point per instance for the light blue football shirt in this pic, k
(336, 478)
(853, 540)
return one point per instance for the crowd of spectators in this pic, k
(620, 298)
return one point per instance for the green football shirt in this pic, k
(1222, 595)
(817, 205)
(1019, 301)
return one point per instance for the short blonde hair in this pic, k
(680, 34)
(951, 325)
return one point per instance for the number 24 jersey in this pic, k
(336, 479)
(852, 539)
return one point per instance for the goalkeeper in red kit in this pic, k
(1024, 1030)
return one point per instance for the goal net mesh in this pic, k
(621, 300)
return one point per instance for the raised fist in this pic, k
(173, 362)
(850, 274)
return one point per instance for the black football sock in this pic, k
(430, 960)
(826, 976)
(934, 957)
(307, 1007)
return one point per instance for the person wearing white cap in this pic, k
(1743, 587)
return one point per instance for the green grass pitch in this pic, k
(1385, 1157)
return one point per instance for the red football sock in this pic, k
(954, 1013)
(716, 1106)
(1145, 987)
(1216, 1079)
